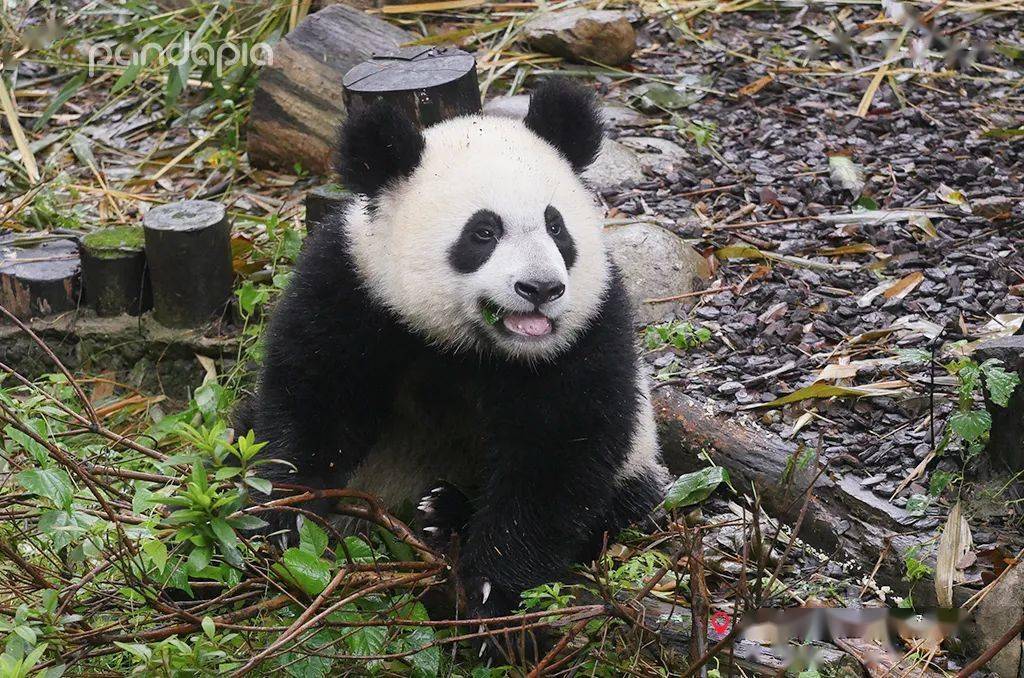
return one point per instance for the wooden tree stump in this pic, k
(114, 271)
(297, 106)
(39, 278)
(323, 201)
(1006, 440)
(430, 84)
(188, 248)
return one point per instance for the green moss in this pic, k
(108, 242)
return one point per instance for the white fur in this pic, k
(468, 164)
(644, 455)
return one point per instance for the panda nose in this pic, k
(539, 291)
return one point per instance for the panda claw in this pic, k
(437, 490)
(485, 590)
(432, 529)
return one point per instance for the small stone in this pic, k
(996, 208)
(730, 387)
(583, 35)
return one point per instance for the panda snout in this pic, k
(539, 292)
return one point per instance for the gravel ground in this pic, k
(770, 159)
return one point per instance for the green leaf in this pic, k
(972, 425)
(247, 522)
(368, 640)
(913, 356)
(693, 488)
(1000, 383)
(311, 573)
(156, 553)
(209, 628)
(259, 484)
(199, 558)
(353, 549)
(52, 483)
(36, 451)
(228, 542)
(312, 538)
(65, 93)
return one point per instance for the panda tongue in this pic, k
(528, 324)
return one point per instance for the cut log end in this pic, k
(188, 249)
(39, 279)
(114, 271)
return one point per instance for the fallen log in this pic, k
(842, 518)
(298, 104)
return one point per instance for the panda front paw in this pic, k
(442, 513)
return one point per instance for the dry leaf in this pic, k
(846, 173)
(854, 248)
(756, 86)
(954, 545)
(904, 286)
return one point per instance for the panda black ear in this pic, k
(378, 145)
(566, 115)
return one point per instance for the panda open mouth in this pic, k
(529, 325)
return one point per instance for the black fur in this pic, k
(566, 115)
(554, 434)
(560, 234)
(377, 146)
(472, 249)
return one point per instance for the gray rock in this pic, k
(583, 35)
(660, 154)
(997, 612)
(615, 165)
(655, 263)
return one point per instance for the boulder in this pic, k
(1000, 609)
(659, 154)
(583, 35)
(655, 264)
(615, 165)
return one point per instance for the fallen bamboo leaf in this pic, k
(879, 216)
(822, 390)
(418, 7)
(953, 197)
(20, 141)
(853, 248)
(751, 252)
(954, 545)
(903, 286)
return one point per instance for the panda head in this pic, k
(478, 232)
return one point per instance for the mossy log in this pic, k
(298, 105)
(40, 277)
(188, 250)
(114, 271)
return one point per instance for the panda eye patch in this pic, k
(556, 229)
(476, 242)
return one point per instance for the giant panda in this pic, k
(459, 340)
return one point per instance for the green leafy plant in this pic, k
(678, 334)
